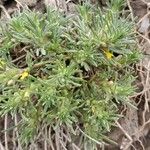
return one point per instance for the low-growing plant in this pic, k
(66, 71)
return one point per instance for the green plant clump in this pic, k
(71, 71)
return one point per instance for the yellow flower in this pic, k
(93, 109)
(108, 54)
(24, 75)
(27, 94)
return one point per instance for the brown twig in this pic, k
(5, 128)
(5, 11)
(16, 130)
(126, 134)
(131, 11)
(1, 146)
(50, 139)
(45, 139)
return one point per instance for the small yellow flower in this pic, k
(27, 94)
(24, 75)
(93, 109)
(108, 54)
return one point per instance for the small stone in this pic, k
(110, 82)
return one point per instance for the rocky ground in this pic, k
(132, 131)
